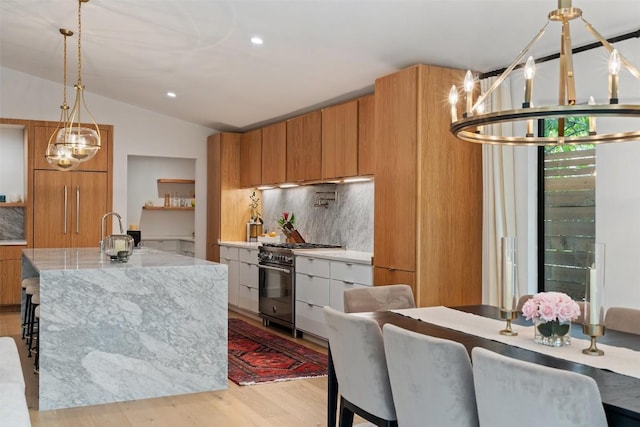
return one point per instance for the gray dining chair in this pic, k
(623, 319)
(357, 351)
(431, 379)
(378, 298)
(514, 392)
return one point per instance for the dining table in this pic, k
(620, 393)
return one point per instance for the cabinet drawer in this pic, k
(228, 252)
(336, 292)
(248, 255)
(312, 289)
(310, 318)
(351, 272)
(248, 298)
(248, 274)
(313, 266)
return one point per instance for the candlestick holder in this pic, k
(593, 331)
(508, 315)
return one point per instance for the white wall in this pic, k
(618, 174)
(12, 172)
(136, 132)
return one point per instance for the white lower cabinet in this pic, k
(321, 282)
(312, 293)
(347, 275)
(229, 256)
(248, 280)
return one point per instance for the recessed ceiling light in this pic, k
(256, 40)
(171, 94)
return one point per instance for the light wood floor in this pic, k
(296, 403)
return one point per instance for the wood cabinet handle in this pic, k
(77, 209)
(66, 199)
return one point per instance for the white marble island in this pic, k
(154, 326)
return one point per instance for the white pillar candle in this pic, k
(119, 246)
(507, 302)
(594, 309)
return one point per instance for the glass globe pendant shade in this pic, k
(60, 157)
(81, 142)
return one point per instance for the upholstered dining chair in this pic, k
(360, 365)
(431, 379)
(514, 392)
(378, 298)
(623, 319)
(522, 300)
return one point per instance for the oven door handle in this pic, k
(282, 270)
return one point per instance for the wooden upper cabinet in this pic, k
(396, 152)
(304, 147)
(274, 153)
(100, 162)
(251, 158)
(340, 140)
(366, 129)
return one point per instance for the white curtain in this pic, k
(499, 186)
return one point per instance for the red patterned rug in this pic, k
(257, 356)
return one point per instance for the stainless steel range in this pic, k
(276, 268)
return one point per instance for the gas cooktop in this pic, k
(301, 245)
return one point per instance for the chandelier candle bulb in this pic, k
(614, 70)
(453, 101)
(529, 74)
(468, 89)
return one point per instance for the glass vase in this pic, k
(553, 333)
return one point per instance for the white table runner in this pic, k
(617, 359)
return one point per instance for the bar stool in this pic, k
(30, 285)
(33, 325)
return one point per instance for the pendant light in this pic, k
(60, 156)
(473, 126)
(82, 141)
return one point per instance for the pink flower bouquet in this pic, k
(550, 306)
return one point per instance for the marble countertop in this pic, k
(249, 245)
(338, 255)
(92, 259)
(161, 238)
(13, 242)
(328, 253)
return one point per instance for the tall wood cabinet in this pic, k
(227, 204)
(304, 147)
(67, 206)
(340, 140)
(428, 191)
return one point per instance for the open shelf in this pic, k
(12, 205)
(168, 208)
(175, 181)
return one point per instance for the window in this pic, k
(566, 209)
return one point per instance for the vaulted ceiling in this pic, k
(314, 52)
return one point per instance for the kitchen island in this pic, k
(109, 331)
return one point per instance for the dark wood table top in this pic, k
(620, 393)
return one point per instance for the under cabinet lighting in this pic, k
(350, 180)
(287, 185)
(264, 187)
(171, 94)
(257, 40)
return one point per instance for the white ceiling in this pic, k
(314, 52)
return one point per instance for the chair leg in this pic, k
(346, 415)
(25, 318)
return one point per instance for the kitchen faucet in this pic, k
(102, 236)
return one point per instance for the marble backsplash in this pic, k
(347, 221)
(11, 223)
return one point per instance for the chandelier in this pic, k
(475, 121)
(73, 140)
